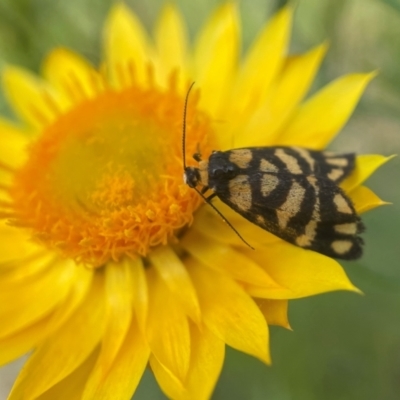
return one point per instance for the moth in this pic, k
(292, 192)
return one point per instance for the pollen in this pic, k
(104, 180)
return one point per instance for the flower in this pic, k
(108, 262)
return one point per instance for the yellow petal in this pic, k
(320, 118)
(125, 46)
(263, 62)
(274, 311)
(225, 259)
(214, 227)
(11, 272)
(37, 296)
(71, 74)
(67, 348)
(169, 384)
(311, 273)
(6, 180)
(207, 357)
(365, 166)
(71, 388)
(78, 292)
(215, 57)
(139, 292)
(171, 43)
(15, 245)
(207, 224)
(13, 144)
(229, 312)
(290, 87)
(19, 343)
(206, 362)
(125, 373)
(118, 300)
(34, 268)
(33, 99)
(167, 328)
(365, 199)
(171, 269)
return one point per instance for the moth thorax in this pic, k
(191, 176)
(222, 169)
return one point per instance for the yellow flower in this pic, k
(107, 261)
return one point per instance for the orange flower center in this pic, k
(105, 179)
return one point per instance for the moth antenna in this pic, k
(184, 127)
(223, 218)
(184, 168)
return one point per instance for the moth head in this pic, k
(191, 176)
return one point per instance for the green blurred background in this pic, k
(344, 346)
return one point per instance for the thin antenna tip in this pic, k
(184, 126)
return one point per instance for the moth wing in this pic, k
(298, 160)
(334, 225)
(309, 211)
(336, 167)
(270, 200)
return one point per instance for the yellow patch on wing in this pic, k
(291, 163)
(341, 246)
(342, 204)
(335, 174)
(347, 229)
(240, 192)
(266, 166)
(338, 162)
(311, 228)
(305, 154)
(268, 184)
(309, 235)
(241, 157)
(291, 206)
(260, 220)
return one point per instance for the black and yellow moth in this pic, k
(291, 192)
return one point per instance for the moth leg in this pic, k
(208, 201)
(197, 155)
(210, 197)
(204, 189)
(207, 198)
